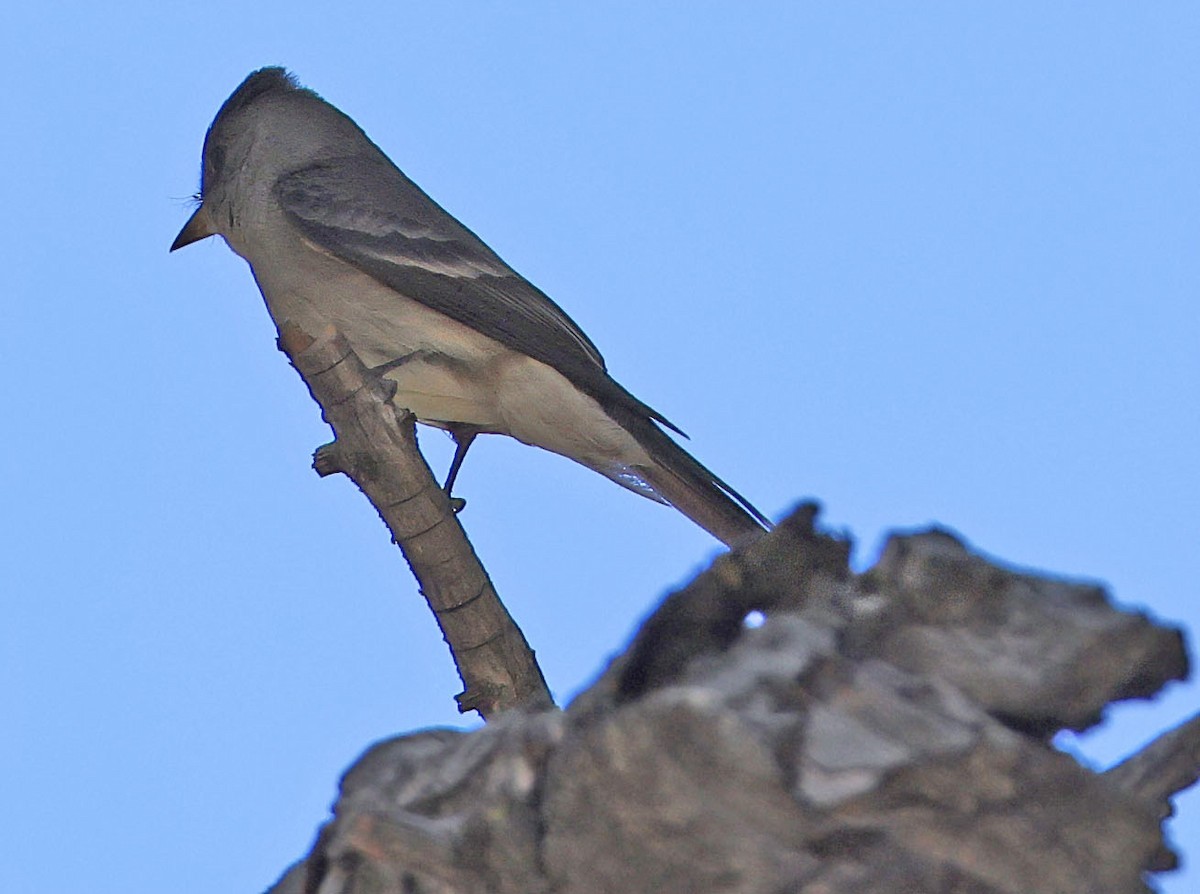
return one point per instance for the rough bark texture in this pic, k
(376, 447)
(884, 732)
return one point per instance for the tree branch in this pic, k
(1166, 766)
(375, 446)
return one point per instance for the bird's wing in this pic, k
(366, 212)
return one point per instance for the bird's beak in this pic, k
(198, 227)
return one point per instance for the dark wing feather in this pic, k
(365, 211)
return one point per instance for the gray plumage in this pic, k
(336, 234)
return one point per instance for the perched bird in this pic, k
(335, 234)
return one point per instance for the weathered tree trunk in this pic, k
(882, 732)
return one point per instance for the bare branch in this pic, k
(375, 446)
(1163, 768)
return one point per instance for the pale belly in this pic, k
(447, 373)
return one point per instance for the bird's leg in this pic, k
(384, 368)
(463, 436)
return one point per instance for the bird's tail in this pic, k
(681, 480)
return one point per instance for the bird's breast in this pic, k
(445, 372)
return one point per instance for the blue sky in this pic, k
(923, 263)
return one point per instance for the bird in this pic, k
(336, 234)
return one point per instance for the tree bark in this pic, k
(375, 446)
(879, 732)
